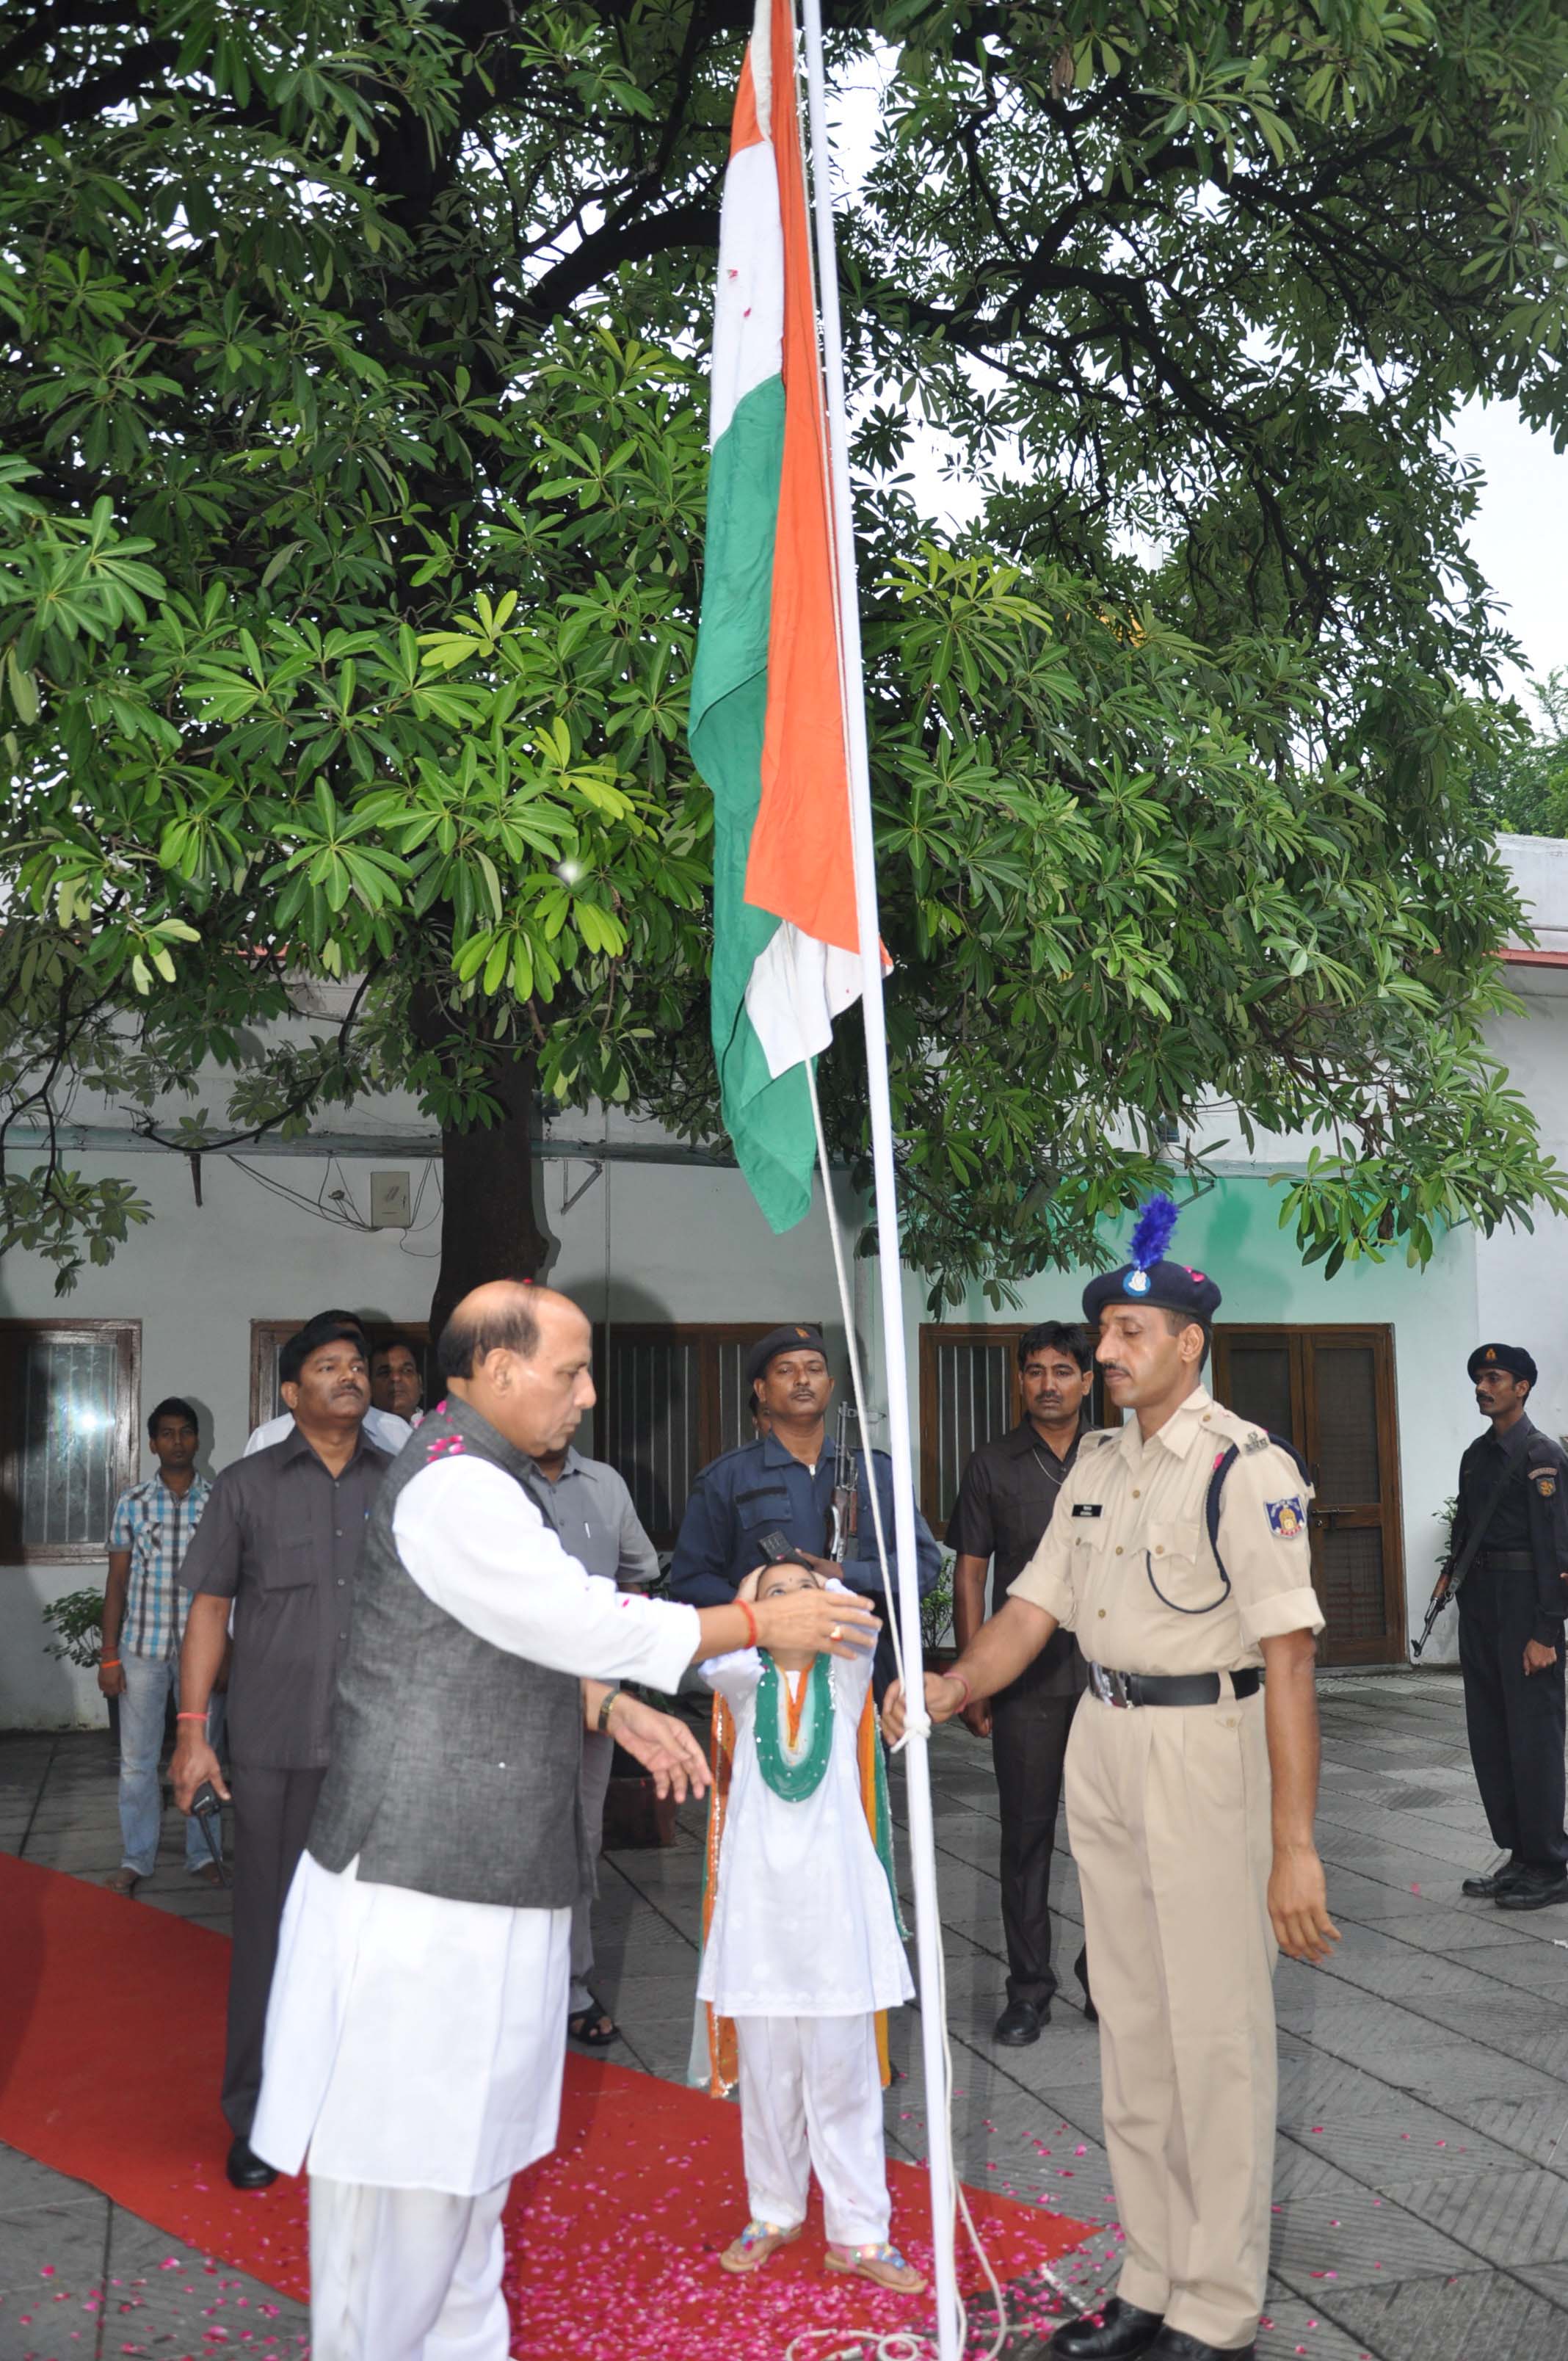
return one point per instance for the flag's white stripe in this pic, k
(762, 65)
(748, 311)
(797, 988)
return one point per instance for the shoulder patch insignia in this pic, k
(1256, 1441)
(1545, 1481)
(1286, 1518)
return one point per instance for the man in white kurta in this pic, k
(415, 2043)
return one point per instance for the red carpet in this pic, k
(110, 2046)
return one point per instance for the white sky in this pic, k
(1521, 531)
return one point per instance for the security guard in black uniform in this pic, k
(1513, 1501)
(783, 1484)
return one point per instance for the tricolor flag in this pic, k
(767, 712)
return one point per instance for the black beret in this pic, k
(1170, 1286)
(1511, 1357)
(783, 1340)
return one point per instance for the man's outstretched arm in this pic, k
(1000, 1651)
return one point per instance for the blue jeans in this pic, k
(143, 1704)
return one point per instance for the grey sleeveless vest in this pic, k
(455, 1764)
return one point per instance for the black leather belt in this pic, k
(1508, 1561)
(1169, 1688)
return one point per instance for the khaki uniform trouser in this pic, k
(1168, 1818)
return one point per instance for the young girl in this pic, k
(803, 1947)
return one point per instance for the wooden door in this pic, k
(1331, 1393)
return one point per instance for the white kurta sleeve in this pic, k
(734, 1677)
(478, 1548)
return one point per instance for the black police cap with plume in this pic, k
(1148, 1277)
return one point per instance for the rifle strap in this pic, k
(1468, 1554)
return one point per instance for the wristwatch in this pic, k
(606, 1703)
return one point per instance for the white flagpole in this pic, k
(921, 1842)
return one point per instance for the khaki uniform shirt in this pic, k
(1131, 1517)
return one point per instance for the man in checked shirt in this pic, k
(144, 1621)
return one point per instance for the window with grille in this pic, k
(68, 1408)
(670, 1398)
(968, 1394)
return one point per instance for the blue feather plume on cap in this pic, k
(1154, 1230)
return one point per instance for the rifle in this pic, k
(1456, 1569)
(1435, 1610)
(844, 1517)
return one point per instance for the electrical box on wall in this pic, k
(391, 1203)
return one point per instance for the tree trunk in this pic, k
(489, 1226)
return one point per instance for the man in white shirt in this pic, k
(388, 1433)
(416, 2039)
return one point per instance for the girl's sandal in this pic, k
(757, 2242)
(882, 2264)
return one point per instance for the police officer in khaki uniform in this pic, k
(1194, 1872)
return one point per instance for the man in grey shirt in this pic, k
(591, 1508)
(278, 1542)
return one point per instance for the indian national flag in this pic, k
(767, 716)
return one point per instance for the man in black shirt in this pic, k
(1513, 1501)
(1004, 1504)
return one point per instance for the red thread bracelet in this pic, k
(190, 1716)
(744, 1606)
(962, 1684)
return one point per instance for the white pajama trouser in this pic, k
(406, 2274)
(811, 2099)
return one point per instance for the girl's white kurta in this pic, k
(414, 2042)
(803, 1925)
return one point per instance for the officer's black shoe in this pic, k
(1175, 2345)
(1020, 2023)
(245, 2169)
(1534, 1893)
(1119, 2334)
(1486, 1888)
(1081, 1969)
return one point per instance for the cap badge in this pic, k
(1491, 1352)
(1137, 1282)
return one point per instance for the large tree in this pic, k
(349, 558)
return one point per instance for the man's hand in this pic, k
(1440, 1588)
(977, 1717)
(192, 1762)
(1538, 1657)
(112, 1680)
(747, 1589)
(943, 1697)
(1298, 1905)
(662, 1744)
(816, 1620)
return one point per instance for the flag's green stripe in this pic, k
(769, 1122)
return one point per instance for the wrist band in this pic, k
(962, 1684)
(744, 1605)
(190, 1716)
(113, 1663)
(606, 1703)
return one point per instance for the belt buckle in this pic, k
(1109, 1688)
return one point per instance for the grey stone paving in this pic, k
(1422, 2185)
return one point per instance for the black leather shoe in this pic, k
(1532, 1894)
(1118, 2334)
(1081, 1969)
(245, 2169)
(1020, 2023)
(1175, 2345)
(1497, 1880)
